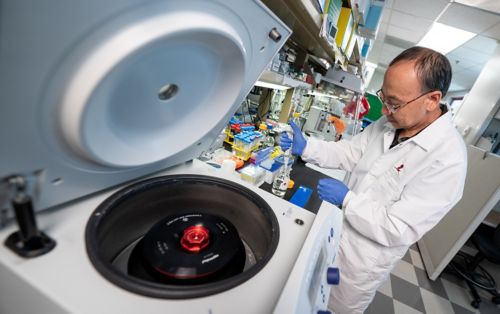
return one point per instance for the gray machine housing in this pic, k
(99, 93)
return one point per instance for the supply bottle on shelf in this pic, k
(268, 139)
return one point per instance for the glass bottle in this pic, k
(269, 138)
(280, 183)
(263, 130)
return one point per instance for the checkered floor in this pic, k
(409, 291)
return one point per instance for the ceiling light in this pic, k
(444, 38)
(271, 85)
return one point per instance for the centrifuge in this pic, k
(106, 106)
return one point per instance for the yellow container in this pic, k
(241, 153)
(229, 137)
(344, 28)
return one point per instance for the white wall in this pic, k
(482, 101)
(454, 106)
(376, 81)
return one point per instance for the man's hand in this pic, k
(332, 191)
(298, 143)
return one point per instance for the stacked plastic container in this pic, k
(235, 127)
(245, 142)
(260, 155)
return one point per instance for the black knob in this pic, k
(28, 241)
(25, 216)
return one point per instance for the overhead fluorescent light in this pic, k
(444, 38)
(271, 85)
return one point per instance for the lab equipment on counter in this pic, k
(280, 183)
(228, 166)
(236, 126)
(267, 137)
(319, 123)
(258, 156)
(216, 144)
(301, 196)
(253, 174)
(246, 142)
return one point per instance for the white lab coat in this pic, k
(396, 196)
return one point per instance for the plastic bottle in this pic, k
(296, 118)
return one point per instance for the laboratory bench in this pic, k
(302, 176)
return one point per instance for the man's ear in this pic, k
(434, 100)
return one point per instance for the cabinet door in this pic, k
(481, 193)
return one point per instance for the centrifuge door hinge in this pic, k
(28, 241)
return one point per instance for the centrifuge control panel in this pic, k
(315, 270)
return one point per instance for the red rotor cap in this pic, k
(195, 239)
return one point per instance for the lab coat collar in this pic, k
(388, 134)
(431, 135)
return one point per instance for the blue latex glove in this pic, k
(298, 142)
(332, 191)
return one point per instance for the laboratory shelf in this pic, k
(304, 18)
(280, 79)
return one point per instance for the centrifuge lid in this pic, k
(153, 88)
(123, 89)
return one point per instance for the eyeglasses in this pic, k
(393, 108)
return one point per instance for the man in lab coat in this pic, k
(407, 171)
